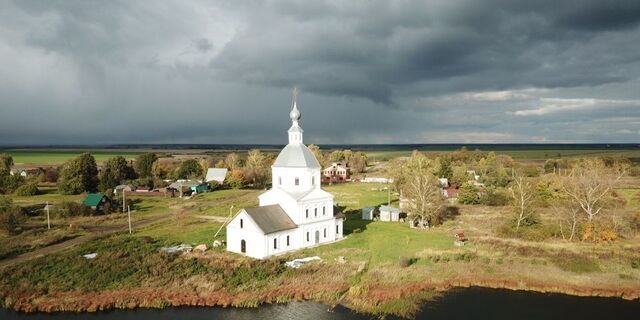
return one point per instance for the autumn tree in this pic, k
(79, 175)
(425, 199)
(589, 187)
(318, 154)
(144, 164)
(10, 215)
(358, 162)
(233, 161)
(236, 178)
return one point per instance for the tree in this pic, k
(144, 164)
(9, 183)
(233, 161)
(590, 183)
(445, 170)
(358, 162)
(425, 199)
(236, 179)
(10, 215)
(523, 197)
(189, 168)
(79, 175)
(6, 161)
(336, 156)
(589, 187)
(459, 176)
(468, 194)
(220, 164)
(115, 171)
(318, 154)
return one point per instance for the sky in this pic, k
(372, 72)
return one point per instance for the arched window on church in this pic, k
(306, 213)
(297, 181)
(324, 211)
(313, 181)
(280, 181)
(241, 223)
(315, 212)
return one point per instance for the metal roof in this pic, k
(390, 209)
(271, 218)
(93, 199)
(217, 174)
(296, 155)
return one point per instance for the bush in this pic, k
(30, 189)
(405, 261)
(213, 185)
(74, 209)
(495, 197)
(530, 230)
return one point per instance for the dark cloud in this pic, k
(374, 71)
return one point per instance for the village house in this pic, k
(336, 172)
(295, 213)
(96, 201)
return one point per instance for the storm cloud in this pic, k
(111, 72)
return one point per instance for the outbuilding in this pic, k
(388, 213)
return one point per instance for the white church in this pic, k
(296, 213)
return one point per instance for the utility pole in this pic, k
(225, 222)
(129, 210)
(388, 196)
(48, 218)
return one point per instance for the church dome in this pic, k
(296, 156)
(295, 113)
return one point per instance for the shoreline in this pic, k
(130, 299)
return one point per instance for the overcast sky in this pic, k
(498, 71)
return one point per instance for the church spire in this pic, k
(295, 132)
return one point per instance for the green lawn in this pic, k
(183, 229)
(355, 196)
(53, 157)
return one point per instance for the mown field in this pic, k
(534, 154)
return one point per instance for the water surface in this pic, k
(467, 304)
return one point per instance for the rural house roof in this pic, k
(271, 218)
(337, 213)
(216, 174)
(93, 199)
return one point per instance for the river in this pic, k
(468, 304)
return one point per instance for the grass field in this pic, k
(534, 154)
(53, 157)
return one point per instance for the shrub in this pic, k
(213, 185)
(30, 189)
(572, 262)
(405, 261)
(635, 264)
(495, 197)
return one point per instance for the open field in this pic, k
(520, 154)
(53, 157)
(49, 157)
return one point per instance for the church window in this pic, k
(307, 236)
(337, 229)
(280, 181)
(287, 241)
(313, 181)
(297, 181)
(325, 232)
(275, 243)
(241, 223)
(324, 211)
(315, 212)
(307, 213)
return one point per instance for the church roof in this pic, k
(296, 155)
(271, 218)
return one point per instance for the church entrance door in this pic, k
(317, 236)
(243, 246)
